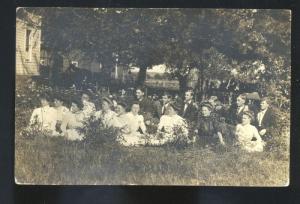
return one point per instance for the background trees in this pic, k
(254, 43)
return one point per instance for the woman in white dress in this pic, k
(44, 118)
(133, 128)
(106, 115)
(171, 126)
(121, 117)
(247, 135)
(72, 121)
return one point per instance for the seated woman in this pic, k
(121, 117)
(44, 118)
(171, 126)
(106, 115)
(209, 130)
(72, 121)
(247, 135)
(133, 128)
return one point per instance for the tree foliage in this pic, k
(255, 43)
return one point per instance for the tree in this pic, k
(256, 43)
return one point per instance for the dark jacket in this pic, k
(191, 112)
(268, 120)
(160, 110)
(234, 117)
(208, 127)
(147, 108)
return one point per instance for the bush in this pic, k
(280, 134)
(97, 134)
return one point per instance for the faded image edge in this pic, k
(123, 96)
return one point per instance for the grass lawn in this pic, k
(45, 160)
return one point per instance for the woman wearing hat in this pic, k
(106, 115)
(208, 128)
(247, 135)
(171, 125)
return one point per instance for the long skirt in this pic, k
(133, 139)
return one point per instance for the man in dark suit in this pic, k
(162, 107)
(265, 119)
(190, 108)
(147, 108)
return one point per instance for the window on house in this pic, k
(28, 40)
(28, 45)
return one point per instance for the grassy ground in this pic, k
(46, 160)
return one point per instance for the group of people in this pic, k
(206, 123)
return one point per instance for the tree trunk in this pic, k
(182, 83)
(141, 78)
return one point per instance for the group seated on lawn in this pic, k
(208, 122)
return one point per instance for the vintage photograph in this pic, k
(140, 96)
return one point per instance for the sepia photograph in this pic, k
(161, 96)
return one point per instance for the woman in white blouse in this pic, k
(247, 135)
(106, 115)
(170, 126)
(72, 121)
(134, 127)
(44, 118)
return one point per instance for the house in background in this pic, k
(28, 43)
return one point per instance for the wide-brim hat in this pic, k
(249, 113)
